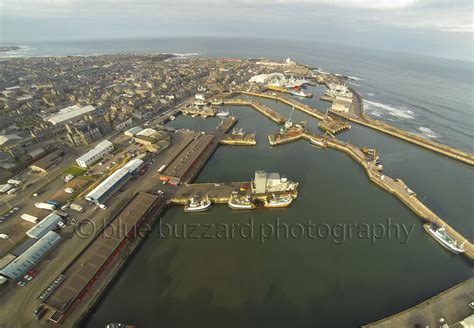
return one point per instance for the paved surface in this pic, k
(452, 305)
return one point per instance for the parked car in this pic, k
(27, 277)
(21, 283)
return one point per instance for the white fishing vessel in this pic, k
(442, 237)
(223, 113)
(241, 202)
(278, 201)
(318, 142)
(195, 204)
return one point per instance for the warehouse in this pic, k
(70, 114)
(83, 272)
(98, 152)
(49, 223)
(31, 257)
(113, 183)
(47, 162)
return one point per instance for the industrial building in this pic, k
(180, 167)
(133, 131)
(271, 182)
(70, 114)
(155, 141)
(46, 225)
(47, 162)
(114, 182)
(31, 257)
(84, 271)
(98, 152)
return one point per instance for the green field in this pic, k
(75, 170)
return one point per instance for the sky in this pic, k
(441, 28)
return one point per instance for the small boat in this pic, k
(318, 142)
(119, 325)
(442, 237)
(300, 93)
(172, 118)
(195, 204)
(278, 201)
(241, 202)
(223, 114)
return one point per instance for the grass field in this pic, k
(75, 170)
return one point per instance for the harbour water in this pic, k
(300, 282)
(305, 281)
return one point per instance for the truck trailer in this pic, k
(45, 206)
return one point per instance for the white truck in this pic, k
(30, 218)
(77, 208)
(46, 206)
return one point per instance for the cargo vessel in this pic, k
(195, 204)
(241, 202)
(442, 237)
(278, 201)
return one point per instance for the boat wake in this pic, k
(378, 109)
(355, 78)
(427, 132)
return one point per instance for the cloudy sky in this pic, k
(442, 28)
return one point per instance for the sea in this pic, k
(338, 278)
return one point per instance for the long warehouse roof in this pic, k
(115, 177)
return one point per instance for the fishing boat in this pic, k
(195, 204)
(278, 201)
(318, 142)
(442, 237)
(223, 113)
(241, 202)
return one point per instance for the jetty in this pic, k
(220, 193)
(396, 187)
(266, 111)
(246, 139)
(448, 151)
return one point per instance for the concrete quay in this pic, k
(395, 186)
(268, 112)
(412, 138)
(400, 190)
(219, 193)
(238, 140)
(452, 305)
(377, 125)
(290, 102)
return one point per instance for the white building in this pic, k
(99, 151)
(271, 182)
(46, 225)
(31, 257)
(113, 182)
(70, 114)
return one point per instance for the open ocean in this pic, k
(429, 96)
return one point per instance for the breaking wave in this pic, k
(427, 132)
(377, 109)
